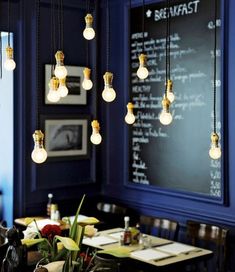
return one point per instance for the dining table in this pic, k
(154, 252)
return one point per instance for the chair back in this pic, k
(211, 237)
(161, 227)
(112, 215)
(111, 208)
(106, 262)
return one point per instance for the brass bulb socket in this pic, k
(62, 81)
(59, 56)
(87, 73)
(130, 106)
(95, 125)
(54, 83)
(9, 52)
(143, 59)
(38, 137)
(89, 20)
(108, 78)
(215, 139)
(169, 85)
(166, 104)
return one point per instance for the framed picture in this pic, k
(76, 95)
(66, 138)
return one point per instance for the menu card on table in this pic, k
(176, 248)
(149, 254)
(99, 241)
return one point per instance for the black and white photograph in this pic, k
(76, 94)
(66, 137)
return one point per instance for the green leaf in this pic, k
(68, 243)
(73, 229)
(78, 240)
(31, 242)
(68, 265)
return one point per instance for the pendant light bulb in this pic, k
(169, 89)
(54, 94)
(95, 136)
(87, 83)
(9, 63)
(60, 70)
(215, 150)
(39, 154)
(165, 116)
(63, 90)
(108, 93)
(130, 117)
(142, 71)
(89, 32)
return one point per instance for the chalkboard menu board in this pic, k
(176, 156)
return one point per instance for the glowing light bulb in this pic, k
(9, 63)
(89, 32)
(87, 83)
(108, 93)
(95, 136)
(215, 151)
(142, 71)
(169, 90)
(60, 70)
(53, 94)
(171, 96)
(130, 117)
(39, 154)
(165, 116)
(63, 90)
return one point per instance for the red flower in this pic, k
(86, 258)
(49, 231)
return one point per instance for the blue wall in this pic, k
(115, 149)
(108, 163)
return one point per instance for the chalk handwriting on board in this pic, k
(177, 10)
(175, 156)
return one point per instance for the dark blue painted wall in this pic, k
(115, 149)
(67, 180)
(107, 164)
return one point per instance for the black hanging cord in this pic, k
(87, 53)
(166, 45)
(143, 24)
(108, 34)
(0, 54)
(37, 60)
(9, 21)
(53, 40)
(169, 40)
(87, 42)
(88, 6)
(215, 71)
(129, 40)
(61, 26)
(94, 68)
(51, 37)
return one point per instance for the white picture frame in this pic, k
(77, 95)
(66, 138)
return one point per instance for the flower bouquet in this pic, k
(54, 247)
